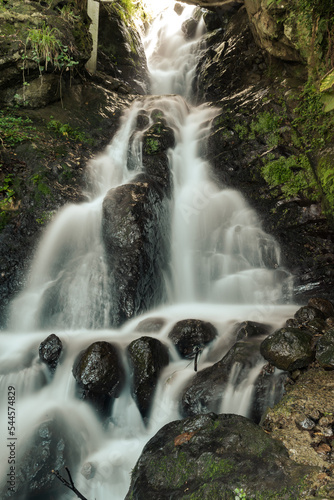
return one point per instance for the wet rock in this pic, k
(148, 356)
(269, 388)
(189, 334)
(150, 325)
(158, 138)
(325, 306)
(212, 20)
(249, 329)
(204, 392)
(100, 375)
(52, 447)
(50, 350)
(143, 120)
(189, 27)
(121, 52)
(305, 423)
(325, 350)
(208, 456)
(135, 229)
(308, 313)
(288, 348)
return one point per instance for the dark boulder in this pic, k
(189, 334)
(100, 375)
(325, 350)
(135, 230)
(50, 350)
(249, 329)
(148, 356)
(308, 313)
(288, 348)
(324, 305)
(209, 456)
(189, 27)
(204, 393)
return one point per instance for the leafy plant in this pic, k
(65, 130)
(239, 494)
(14, 129)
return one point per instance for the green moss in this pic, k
(152, 145)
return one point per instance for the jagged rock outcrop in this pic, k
(120, 51)
(209, 456)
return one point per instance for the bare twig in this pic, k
(69, 484)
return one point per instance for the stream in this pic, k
(222, 268)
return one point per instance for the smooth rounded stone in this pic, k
(150, 325)
(288, 348)
(325, 350)
(142, 120)
(100, 375)
(324, 305)
(206, 457)
(249, 329)
(189, 334)
(308, 313)
(148, 356)
(50, 350)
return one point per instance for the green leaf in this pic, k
(328, 101)
(327, 82)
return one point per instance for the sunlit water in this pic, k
(224, 269)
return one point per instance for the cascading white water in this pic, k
(219, 256)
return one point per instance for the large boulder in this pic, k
(289, 348)
(148, 356)
(190, 334)
(135, 229)
(209, 456)
(100, 375)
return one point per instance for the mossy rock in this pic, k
(209, 456)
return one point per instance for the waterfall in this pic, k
(222, 268)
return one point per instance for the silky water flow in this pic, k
(219, 272)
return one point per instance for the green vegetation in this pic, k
(65, 130)
(14, 129)
(239, 494)
(152, 145)
(7, 194)
(48, 48)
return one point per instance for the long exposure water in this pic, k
(218, 272)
